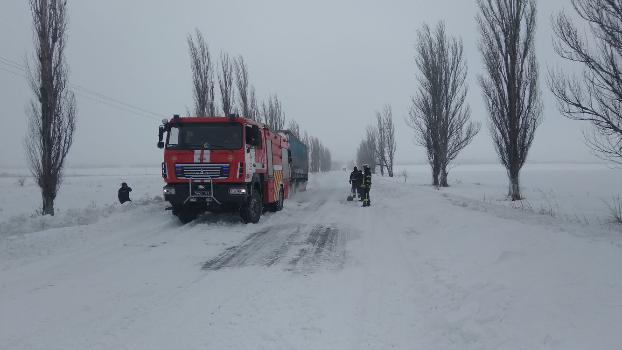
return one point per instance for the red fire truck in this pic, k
(219, 164)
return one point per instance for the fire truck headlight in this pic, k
(237, 191)
(169, 190)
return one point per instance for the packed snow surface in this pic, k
(419, 269)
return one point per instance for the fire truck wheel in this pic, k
(186, 215)
(251, 210)
(278, 205)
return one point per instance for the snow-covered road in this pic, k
(417, 270)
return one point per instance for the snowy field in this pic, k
(86, 194)
(421, 269)
(578, 193)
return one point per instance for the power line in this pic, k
(85, 90)
(132, 112)
(14, 73)
(13, 64)
(90, 94)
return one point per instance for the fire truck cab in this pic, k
(223, 164)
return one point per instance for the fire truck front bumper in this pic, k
(206, 193)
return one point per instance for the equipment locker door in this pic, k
(269, 154)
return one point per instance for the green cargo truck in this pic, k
(298, 162)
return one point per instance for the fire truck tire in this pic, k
(185, 215)
(278, 205)
(251, 211)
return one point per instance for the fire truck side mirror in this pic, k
(161, 131)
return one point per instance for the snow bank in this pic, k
(91, 214)
(81, 188)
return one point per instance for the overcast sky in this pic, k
(332, 63)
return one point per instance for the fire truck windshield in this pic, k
(205, 136)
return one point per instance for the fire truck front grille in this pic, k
(202, 171)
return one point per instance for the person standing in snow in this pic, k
(124, 193)
(355, 180)
(366, 185)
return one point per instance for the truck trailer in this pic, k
(298, 162)
(223, 164)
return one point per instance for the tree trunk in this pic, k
(48, 202)
(515, 187)
(443, 177)
(509, 185)
(435, 174)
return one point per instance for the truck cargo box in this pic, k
(299, 162)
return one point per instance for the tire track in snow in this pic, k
(271, 245)
(278, 254)
(324, 243)
(239, 255)
(299, 245)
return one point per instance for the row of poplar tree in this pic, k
(440, 114)
(378, 147)
(230, 78)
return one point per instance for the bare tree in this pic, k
(273, 113)
(319, 156)
(225, 82)
(315, 155)
(254, 112)
(390, 145)
(325, 159)
(52, 112)
(426, 137)
(244, 92)
(384, 136)
(596, 96)
(294, 127)
(380, 142)
(367, 151)
(371, 141)
(440, 114)
(362, 156)
(510, 85)
(202, 75)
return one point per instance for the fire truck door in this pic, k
(269, 154)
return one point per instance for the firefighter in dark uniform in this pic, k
(366, 185)
(356, 178)
(124, 193)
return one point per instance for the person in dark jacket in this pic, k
(355, 180)
(124, 193)
(366, 186)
